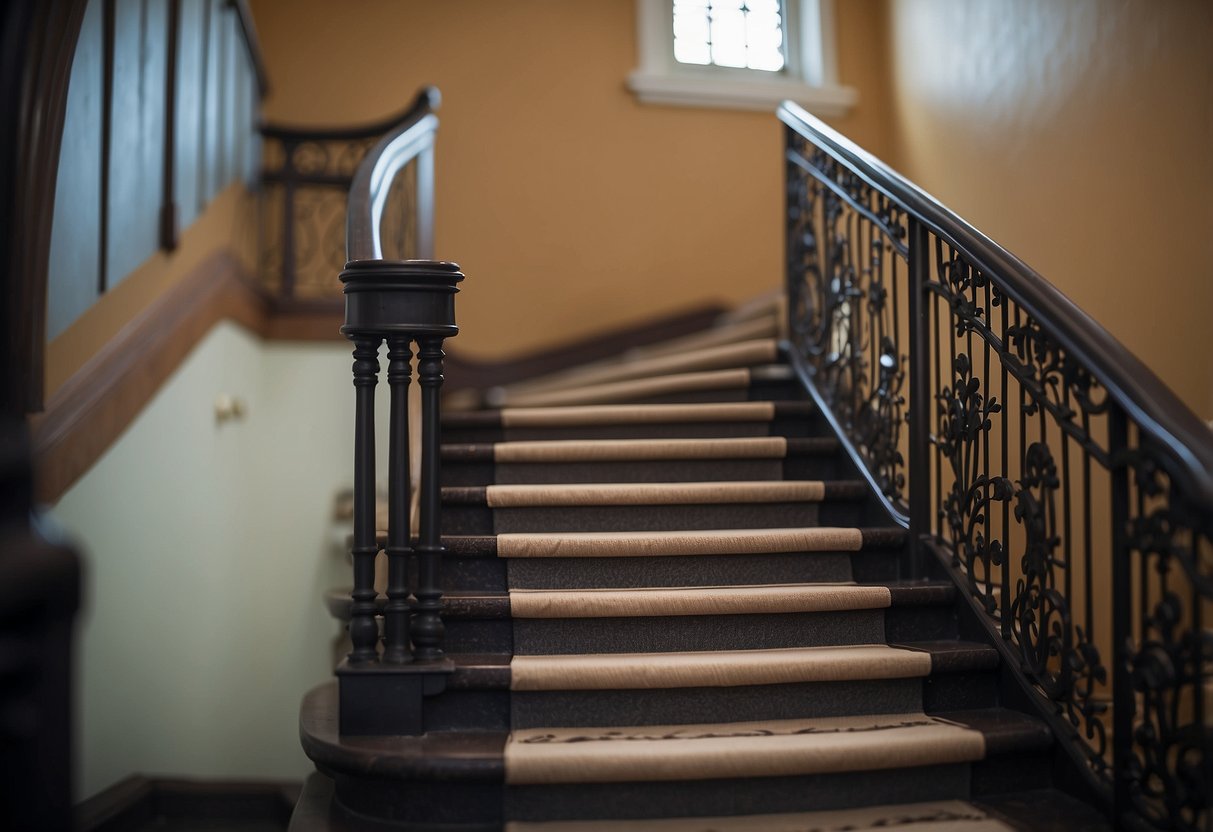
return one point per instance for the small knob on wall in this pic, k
(228, 408)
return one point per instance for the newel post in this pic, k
(403, 303)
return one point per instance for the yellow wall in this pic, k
(571, 206)
(1077, 134)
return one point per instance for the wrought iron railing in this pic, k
(1031, 456)
(405, 303)
(305, 187)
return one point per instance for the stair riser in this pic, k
(792, 428)
(825, 467)
(489, 573)
(704, 632)
(733, 796)
(676, 706)
(481, 520)
(459, 806)
(688, 570)
(499, 710)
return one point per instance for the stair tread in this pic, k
(739, 749)
(610, 450)
(654, 493)
(613, 392)
(934, 816)
(615, 414)
(723, 600)
(700, 542)
(711, 357)
(716, 668)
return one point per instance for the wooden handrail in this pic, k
(412, 138)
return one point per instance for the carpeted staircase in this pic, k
(674, 605)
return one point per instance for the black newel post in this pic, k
(401, 302)
(364, 632)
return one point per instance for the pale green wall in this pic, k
(207, 550)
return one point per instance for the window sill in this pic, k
(740, 94)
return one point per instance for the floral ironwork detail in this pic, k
(1058, 655)
(964, 417)
(845, 243)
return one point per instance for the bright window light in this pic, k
(746, 34)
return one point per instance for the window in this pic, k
(743, 54)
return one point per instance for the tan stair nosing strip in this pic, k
(638, 450)
(615, 414)
(747, 749)
(740, 354)
(935, 816)
(636, 388)
(714, 600)
(721, 668)
(660, 493)
(678, 543)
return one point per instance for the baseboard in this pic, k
(138, 803)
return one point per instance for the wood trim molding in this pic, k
(84, 416)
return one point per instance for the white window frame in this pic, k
(809, 77)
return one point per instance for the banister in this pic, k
(1148, 402)
(1052, 476)
(409, 303)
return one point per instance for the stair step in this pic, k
(766, 326)
(652, 494)
(714, 751)
(936, 816)
(640, 460)
(581, 507)
(738, 384)
(638, 450)
(731, 668)
(728, 685)
(675, 543)
(724, 668)
(712, 357)
(677, 619)
(667, 601)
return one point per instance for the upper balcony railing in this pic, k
(1030, 455)
(308, 183)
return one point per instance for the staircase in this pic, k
(672, 603)
(916, 543)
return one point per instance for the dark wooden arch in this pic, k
(39, 40)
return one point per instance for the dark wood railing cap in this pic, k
(394, 297)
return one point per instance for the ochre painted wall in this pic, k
(1077, 134)
(571, 207)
